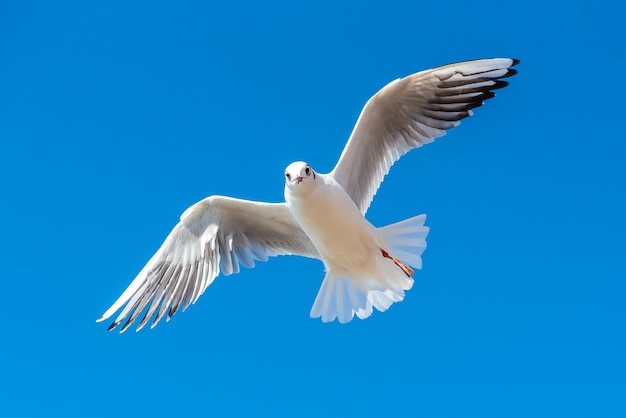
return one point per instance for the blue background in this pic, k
(116, 116)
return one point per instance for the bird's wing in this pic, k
(217, 232)
(410, 112)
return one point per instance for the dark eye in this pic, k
(288, 176)
(307, 170)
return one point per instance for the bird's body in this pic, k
(359, 269)
(345, 240)
(323, 215)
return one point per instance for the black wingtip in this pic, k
(499, 84)
(515, 62)
(112, 326)
(485, 96)
(127, 324)
(509, 73)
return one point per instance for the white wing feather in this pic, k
(217, 232)
(410, 112)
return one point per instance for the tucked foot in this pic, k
(406, 269)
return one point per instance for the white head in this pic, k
(299, 175)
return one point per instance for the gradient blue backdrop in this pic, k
(115, 116)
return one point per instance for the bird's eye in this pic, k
(288, 176)
(307, 170)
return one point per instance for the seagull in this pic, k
(323, 216)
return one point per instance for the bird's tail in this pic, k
(343, 297)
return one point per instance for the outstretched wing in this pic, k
(215, 232)
(410, 112)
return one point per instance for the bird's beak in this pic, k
(298, 179)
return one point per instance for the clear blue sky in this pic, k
(115, 116)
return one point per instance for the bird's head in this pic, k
(299, 175)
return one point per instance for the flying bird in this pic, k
(323, 215)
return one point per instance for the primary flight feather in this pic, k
(323, 214)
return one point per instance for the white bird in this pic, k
(323, 214)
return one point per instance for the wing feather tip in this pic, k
(126, 325)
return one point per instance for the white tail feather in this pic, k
(407, 239)
(343, 297)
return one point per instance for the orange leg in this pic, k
(406, 269)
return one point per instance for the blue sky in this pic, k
(115, 117)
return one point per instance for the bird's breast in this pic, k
(343, 237)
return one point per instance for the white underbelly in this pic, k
(343, 237)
